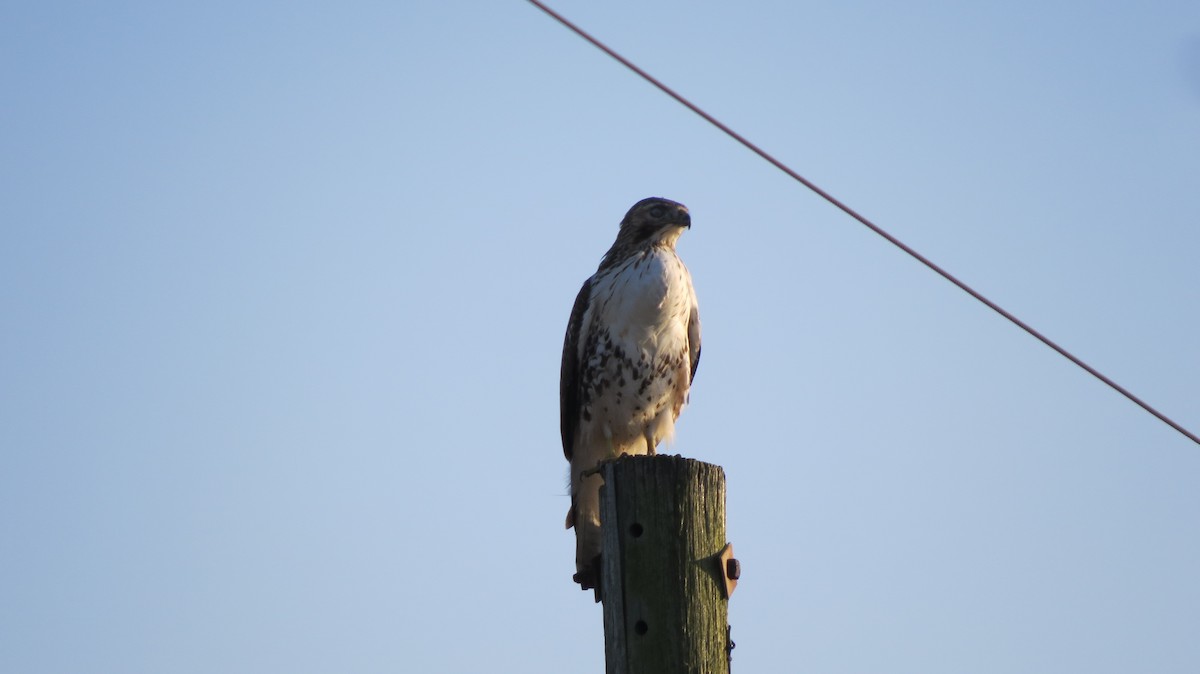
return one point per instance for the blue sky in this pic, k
(283, 289)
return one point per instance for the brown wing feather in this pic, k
(694, 340)
(568, 382)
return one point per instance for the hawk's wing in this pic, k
(568, 383)
(694, 339)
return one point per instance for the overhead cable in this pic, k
(867, 223)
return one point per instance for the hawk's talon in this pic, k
(589, 577)
(595, 470)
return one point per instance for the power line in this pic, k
(870, 225)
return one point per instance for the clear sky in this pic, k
(283, 288)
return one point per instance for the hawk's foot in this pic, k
(589, 577)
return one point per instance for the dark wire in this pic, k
(870, 225)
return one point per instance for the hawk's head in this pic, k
(651, 222)
(655, 219)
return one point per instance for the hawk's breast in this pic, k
(635, 357)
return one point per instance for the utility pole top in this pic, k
(666, 569)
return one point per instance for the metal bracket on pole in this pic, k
(731, 570)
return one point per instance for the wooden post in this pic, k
(663, 578)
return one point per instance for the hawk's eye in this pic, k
(658, 212)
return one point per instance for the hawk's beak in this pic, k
(683, 218)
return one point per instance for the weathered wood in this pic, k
(663, 524)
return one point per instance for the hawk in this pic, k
(631, 351)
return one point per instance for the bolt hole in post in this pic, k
(636, 530)
(640, 627)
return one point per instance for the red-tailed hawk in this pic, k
(632, 347)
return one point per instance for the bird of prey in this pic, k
(631, 351)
